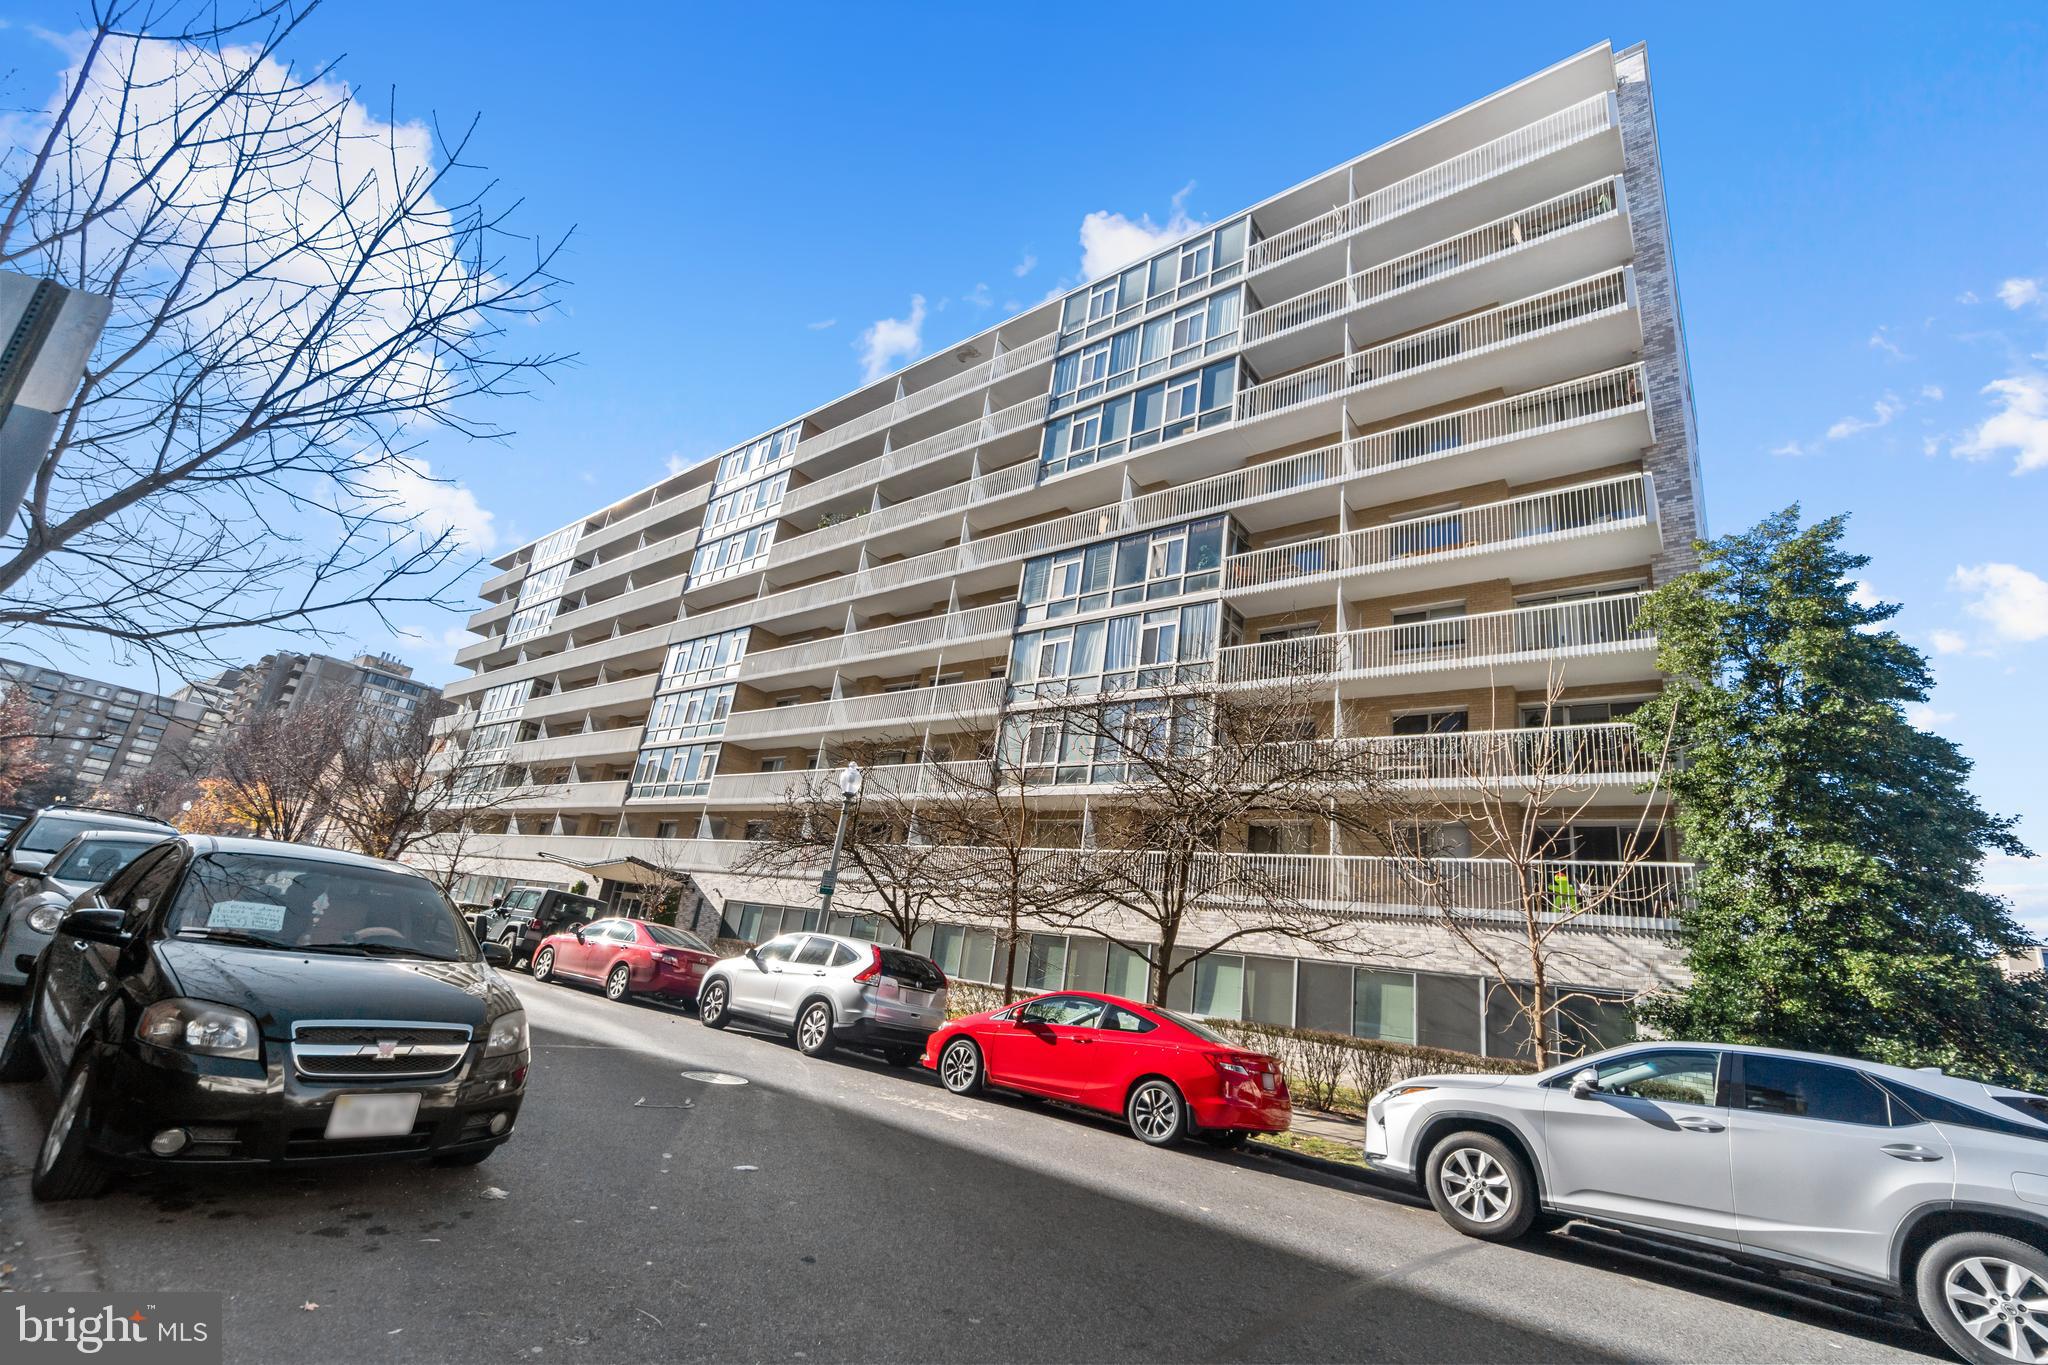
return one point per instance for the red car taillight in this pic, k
(871, 972)
(1238, 1063)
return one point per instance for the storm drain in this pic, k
(714, 1077)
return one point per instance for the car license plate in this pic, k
(1269, 1081)
(372, 1116)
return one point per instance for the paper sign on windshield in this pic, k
(266, 916)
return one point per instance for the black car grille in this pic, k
(344, 1049)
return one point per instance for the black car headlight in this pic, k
(508, 1034)
(201, 1027)
(44, 919)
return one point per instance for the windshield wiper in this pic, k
(231, 936)
(377, 950)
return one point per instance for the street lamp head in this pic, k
(849, 781)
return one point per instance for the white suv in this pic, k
(1917, 1183)
(827, 990)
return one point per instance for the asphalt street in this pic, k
(839, 1210)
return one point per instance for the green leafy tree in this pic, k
(1839, 848)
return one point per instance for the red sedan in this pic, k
(629, 956)
(1170, 1076)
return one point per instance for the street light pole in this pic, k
(849, 793)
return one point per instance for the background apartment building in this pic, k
(98, 734)
(1418, 428)
(285, 682)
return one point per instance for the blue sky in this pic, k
(1857, 199)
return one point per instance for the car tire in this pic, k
(960, 1068)
(712, 1008)
(543, 964)
(619, 985)
(476, 1158)
(1157, 1112)
(1481, 1186)
(901, 1056)
(814, 1029)
(65, 1166)
(1968, 1277)
(19, 1060)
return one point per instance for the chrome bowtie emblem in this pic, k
(387, 1047)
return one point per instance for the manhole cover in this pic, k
(714, 1077)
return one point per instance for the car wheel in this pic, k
(1222, 1137)
(711, 1010)
(1481, 1187)
(1157, 1114)
(1986, 1296)
(19, 1060)
(619, 984)
(65, 1167)
(543, 964)
(960, 1067)
(476, 1158)
(901, 1056)
(814, 1030)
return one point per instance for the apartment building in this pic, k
(97, 735)
(1418, 428)
(285, 681)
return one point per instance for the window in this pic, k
(697, 714)
(1146, 567)
(1134, 421)
(1679, 1076)
(666, 829)
(780, 949)
(816, 952)
(1811, 1090)
(752, 460)
(1046, 963)
(1430, 628)
(678, 770)
(1291, 836)
(751, 503)
(1117, 1019)
(733, 554)
(503, 700)
(1581, 712)
(1383, 1005)
(705, 659)
(1061, 1011)
(1431, 723)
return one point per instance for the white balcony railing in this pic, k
(908, 707)
(881, 641)
(1563, 755)
(1557, 514)
(951, 441)
(1588, 118)
(1593, 625)
(1033, 352)
(1492, 241)
(1468, 336)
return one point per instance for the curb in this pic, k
(1342, 1170)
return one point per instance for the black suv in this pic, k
(531, 914)
(28, 847)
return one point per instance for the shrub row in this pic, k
(1320, 1065)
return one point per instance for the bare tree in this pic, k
(160, 789)
(396, 784)
(21, 733)
(273, 771)
(300, 292)
(887, 852)
(1522, 909)
(1176, 772)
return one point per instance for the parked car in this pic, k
(31, 908)
(1168, 1075)
(630, 957)
(548, 913)
(13, 818)
(28, 848)
(225, 1002)
(827, 991)
(1922, 1185)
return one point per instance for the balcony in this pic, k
(1510, 761)
(1591, 640)
(691, 501)
(910, 709)
(1570, 147)
(620, 742)
(555, 796)
(1610, 524)
(906, 643)
(630, 694)
(1034, 352)
(1569, 237)
(903, 459)
(1586, 326)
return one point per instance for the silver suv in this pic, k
(827, 991)
(1920, 1184)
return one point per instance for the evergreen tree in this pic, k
(1839, 849)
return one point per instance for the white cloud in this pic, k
(1025, 266)
(2020, 292)
(1967, 296)
(1921, 716)
(980, 297)
(428, 650)
(2011, 600)
(1790, 448)
(1110, 241)
(2020, 426)
(892, 341)
(676, 463)
(1947, 641)
(1879, 341)
(1862, 594)
(432, 505)
(822, 324)
(1932, 392)
(1881, 414)
(2024, 882)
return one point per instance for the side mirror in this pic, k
(94, 926)
(578, 931)
(497, 955)
(753, 955)
(1585, 1084)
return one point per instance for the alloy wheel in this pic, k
(617, 984)
(711, 1003)
(60, 1123)
(2002, 1304)
(817, 1022)
(958, 1067)
(544, 964)
(1154, 1111)
(1477, 1185)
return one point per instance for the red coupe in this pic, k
(1170, 1076)
(629, 956)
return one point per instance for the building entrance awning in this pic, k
(627, 871)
